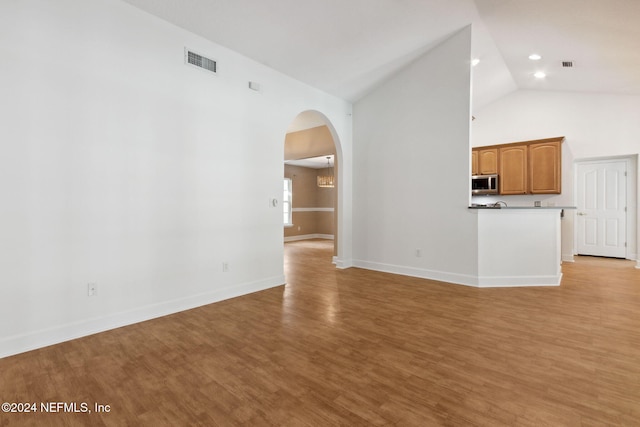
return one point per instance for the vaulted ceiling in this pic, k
(346, 47)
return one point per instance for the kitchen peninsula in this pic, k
(519, 246)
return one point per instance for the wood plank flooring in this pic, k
(358, 348)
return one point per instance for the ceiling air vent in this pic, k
(567, 64)
(197, 60)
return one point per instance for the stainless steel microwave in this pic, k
(484, 184)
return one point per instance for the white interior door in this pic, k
(601, 202)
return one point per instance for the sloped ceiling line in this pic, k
(346, 48)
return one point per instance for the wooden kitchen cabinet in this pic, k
(513, 169)
(484, 161)
(545, 167)
(474, 162)
(527, 167)
(488, 161)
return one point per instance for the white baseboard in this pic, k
(461, 279)
(568, 258)
(518, 281)
(341, 263)
(441, 276)
(46, 337)
(308, 237)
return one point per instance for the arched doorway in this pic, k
(312, 149)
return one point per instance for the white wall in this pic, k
(120, 165)
(519, 247)
(411, 168)
(595, 125)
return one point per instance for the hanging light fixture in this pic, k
(327, 181)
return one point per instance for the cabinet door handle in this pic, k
(582, 214)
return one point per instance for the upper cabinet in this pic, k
(487, 161)
(512, 178)
(474, 162)
(484, 161)
(528, 167)
(545, 167)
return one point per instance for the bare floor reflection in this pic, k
(311, 281)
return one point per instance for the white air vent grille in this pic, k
(199, 61)
(567, 64)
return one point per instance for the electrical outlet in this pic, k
(92, 289)
(225, 267)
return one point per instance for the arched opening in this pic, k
(311, 151)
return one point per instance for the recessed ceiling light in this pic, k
(475, 61)
(539, 75)
(535, 57)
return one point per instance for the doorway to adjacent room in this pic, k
(604, 216)
(312, 181)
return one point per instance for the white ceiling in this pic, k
(312, 162)
(601, 37)
(346, 47)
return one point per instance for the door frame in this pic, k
(632, 196)
(342, 234)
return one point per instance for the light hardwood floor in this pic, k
(355, 347)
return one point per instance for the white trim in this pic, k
(632, 195)
(308, 237)
(312, 210)
(568, 258)
(46, 337)
(462, 279)
(441, 276)
(518, 281)
(342, 263)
